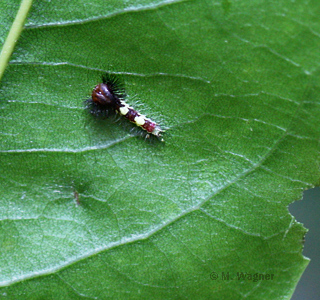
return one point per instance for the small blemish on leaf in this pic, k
(76, 197)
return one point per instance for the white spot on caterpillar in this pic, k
(139, 120)
(124, 110)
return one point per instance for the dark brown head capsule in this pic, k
(103, 95)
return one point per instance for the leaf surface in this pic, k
(89, 209)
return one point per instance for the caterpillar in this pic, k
(110, 95)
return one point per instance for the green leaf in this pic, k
(90, 209)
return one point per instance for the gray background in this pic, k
(307, 212)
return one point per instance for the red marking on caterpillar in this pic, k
(110, 95)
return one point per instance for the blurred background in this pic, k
(307, 211)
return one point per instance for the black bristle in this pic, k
(115, 84)
(98, 110)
